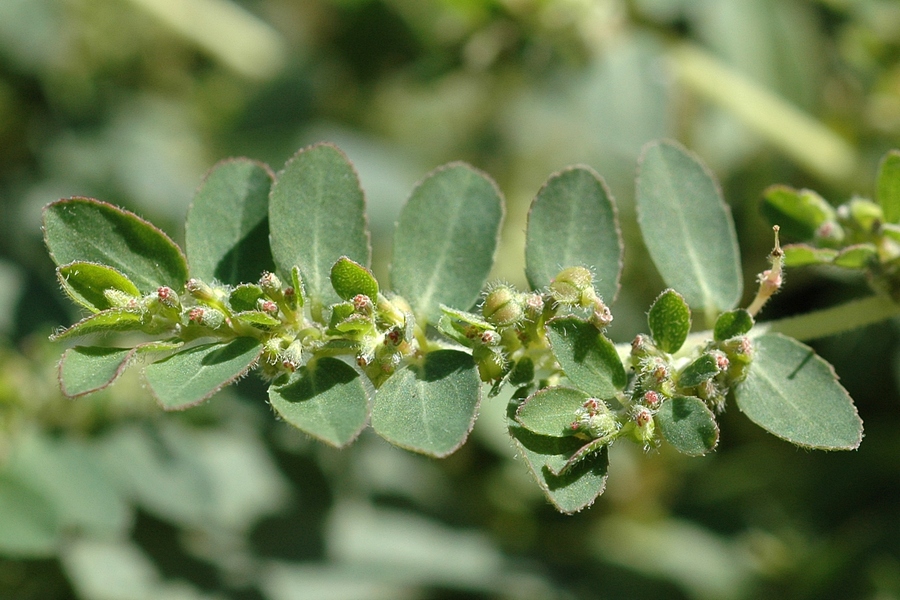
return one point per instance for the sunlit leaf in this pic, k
(793, 393)
(85, 283)
(445, 240)
(326, 399)
(316, 215)
(551, 411)
(587, 357)
(688, 228)
(227, 227)
(573, 223)
(349, 279)
(191, 376)
(687, 424)
(87, 230)
(429, 407)
(670, 321)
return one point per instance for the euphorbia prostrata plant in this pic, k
(275, 277)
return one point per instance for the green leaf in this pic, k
(586, 356)
(670, 321)
(551, 411)
(801, 255)
(108, 321)
(731, 324)
(191, 376)
(317, 214)
(256, 318)
(702, 369)
(688, 228)
(445, 240)
(887, 186)
(85, 283)
(429, 407)
(794, 394)
(578, 486)
(87, 230)
(857, 256)
(687, 424)
(244, 297)
(573, 223)
(350, 279)
(227, 226)
(326, 399)
(87, 369)
(798, 213)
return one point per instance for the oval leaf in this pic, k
(551, 411)
(445, 240)
(87, 369)
(793, 393)
(429, 408)
(687, 424)
(588, 359)
(887, 187)
(326, 399)
(317, 214)
(227, 226)
(191, 376)
(86, 283)
(573, 223)
(688, 228)
(578, 486)
(702, 369)
(801, 255)
(732, 323)
(108, 321)
(87, 230)
(670, 321)
(349, 279)
(798, 213)
(857, 256)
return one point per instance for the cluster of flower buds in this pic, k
(574, 287)
(594, 419)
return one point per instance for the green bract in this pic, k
(340, 349)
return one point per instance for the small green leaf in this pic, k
(87, 230)
(445, 240)
(702, 369)
(732, 323)
(108, 321)
(317, 214)
(578, 486)
(227, 227)
(326, 399)
(429, 407)
(688, 228)
(551, 411)
(191, 376)
(87, 369)
(85, 283)
(857, 256)
(888, 186)
(798, 213)
(573, 223)
(586, 356)
(350, 279)
(256, 318)
(670, 321)
(244, 297)
(801, 255)
(794, 394)
(687, 424)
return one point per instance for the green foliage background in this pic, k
(106, 498)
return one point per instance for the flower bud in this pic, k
(199, 290)
(363, 304)
(167, 297)
(570, 285)
(120, 299)
(270, 284)
(206, 317)
(503, 307)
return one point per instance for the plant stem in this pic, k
(830, 321)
